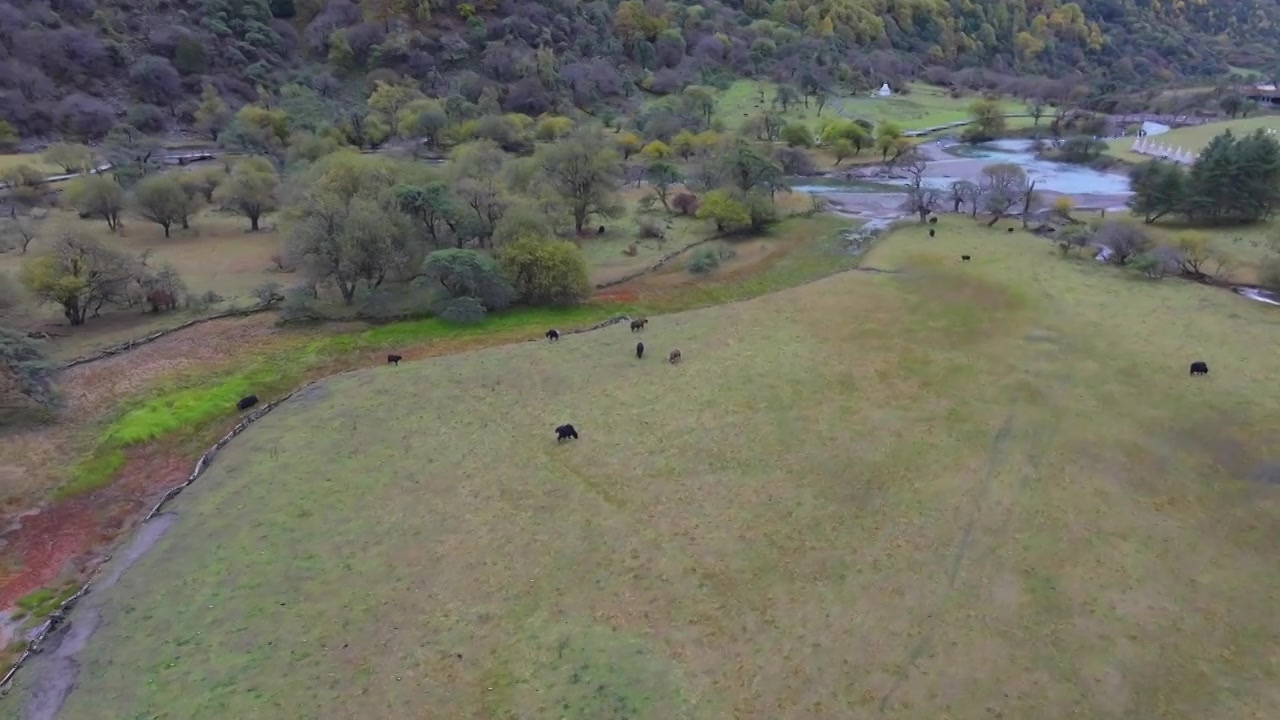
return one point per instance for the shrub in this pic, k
(797, 135)
(686, 203)
(726, 211)
(1073, 237)
(650, 228)
(189, 56)
(268, 293)
(704, 261)
(1063, 206)
(545, 272)
(31, 376)
(1125, 240)
(297, 306)
(463, 310)
(147, 118)
(794, 161)
(82, 116)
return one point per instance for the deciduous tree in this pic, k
(250, 190)
(726, 211)
(987, 121)
(161, 200)
(81, 276)
(585, 170)
(469, 274)
(432, 205)
(211, 114)
(71, 157)
(662, 175)
(389, 99)
(97, 195)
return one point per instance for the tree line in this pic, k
(1234, 180)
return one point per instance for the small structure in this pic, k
(884, 91)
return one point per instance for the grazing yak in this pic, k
(674, 357)
(553, 334)
(932, 232)
(247, 402)
(933, 221)
(1199, 367)
(639, 350)
(565, 432)
(638, 324)
(394, 359)
(965, 258)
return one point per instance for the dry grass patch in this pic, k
(962, 489)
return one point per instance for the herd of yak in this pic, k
(567, 431)
(564, 431)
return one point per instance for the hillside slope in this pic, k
(76, 67)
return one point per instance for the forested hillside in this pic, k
(80, 67)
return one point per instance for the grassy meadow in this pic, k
(218, 254)
(32, 159)
(948, 489)
(1195, 138)
(924, 106)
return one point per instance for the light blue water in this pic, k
(1047, 174)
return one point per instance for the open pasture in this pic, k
(217, 254)
(925, 106)
(949, 489)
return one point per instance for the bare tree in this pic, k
(1027, 201)
(1003, 185)
(963, 191)
(1125, 241)
(16, 233)
(921, 200)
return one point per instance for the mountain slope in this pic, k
(77, 67)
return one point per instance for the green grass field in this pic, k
(1193, 139)
(950, 490)
(925, 106)
(32, 159)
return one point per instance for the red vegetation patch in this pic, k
(64, 539)
(618, 296)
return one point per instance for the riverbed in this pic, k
(877, 201)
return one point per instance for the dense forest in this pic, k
(80, 67)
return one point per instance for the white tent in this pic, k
(884, 90)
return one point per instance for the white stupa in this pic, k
(884, 90)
